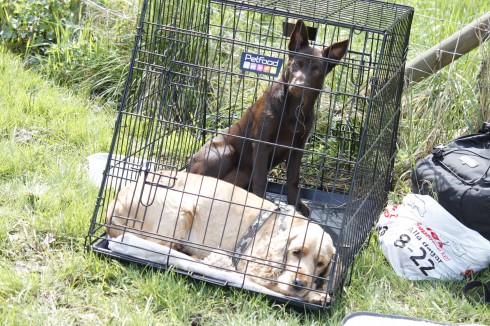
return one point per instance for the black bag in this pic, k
(457, 175)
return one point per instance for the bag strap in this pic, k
(478, 284)
(484, 128)
(250, 233)
(439, 151)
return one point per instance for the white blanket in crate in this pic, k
(133, 246)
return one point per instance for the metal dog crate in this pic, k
(185, 84)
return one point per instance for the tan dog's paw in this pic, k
(219, 259)
(317, 298)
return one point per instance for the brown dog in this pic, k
(281, 118)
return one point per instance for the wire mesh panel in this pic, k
(241, 91)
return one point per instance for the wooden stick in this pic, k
(450, 49)
(484, 86)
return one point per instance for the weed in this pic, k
(30, 26)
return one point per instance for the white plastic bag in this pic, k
(422, 241)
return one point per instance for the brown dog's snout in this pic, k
(298, 79)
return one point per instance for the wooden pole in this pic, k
(450, 49)
(484, 86)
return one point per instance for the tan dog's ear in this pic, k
(299, 37)
(272, 255)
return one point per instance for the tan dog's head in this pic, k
(291, 260)
(307, 256)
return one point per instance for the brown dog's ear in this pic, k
(299, 37)
(335, 51)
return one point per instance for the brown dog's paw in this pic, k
(303, 209)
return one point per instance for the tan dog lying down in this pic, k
(198, 214)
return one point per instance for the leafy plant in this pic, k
(30, 26)
(81, 44)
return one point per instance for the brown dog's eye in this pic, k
(318, 70)
(320, 264)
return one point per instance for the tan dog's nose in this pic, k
(299, 282)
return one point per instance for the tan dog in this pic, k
(199, 214)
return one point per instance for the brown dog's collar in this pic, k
(252, 230)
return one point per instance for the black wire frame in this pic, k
(184, 86)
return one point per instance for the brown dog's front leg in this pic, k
(292, 182)
(260, 168)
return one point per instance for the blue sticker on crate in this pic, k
(261, 64)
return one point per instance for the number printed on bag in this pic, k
(381, 230)
(402, 243)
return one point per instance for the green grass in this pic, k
(46, 202)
